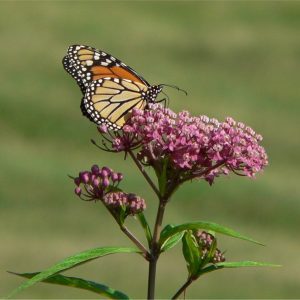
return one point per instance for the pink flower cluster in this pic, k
(200, 146)
(132, 203)
(94, 184)
(102, 184)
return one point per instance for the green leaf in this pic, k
(238, 264)
(121, 214)
(81, 284)
(170, 230)
(246, 263)
(145, 225)
(190, 249)
(71, 262)
(172, 241)
(167, 228)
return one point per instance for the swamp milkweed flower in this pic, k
(188, 147)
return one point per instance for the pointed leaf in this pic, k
(166, 229)
(81, 284)
(238, 264)
(170, 230)
(191, 253)
(172, 241)
(121, 215)
(246, 263)
(145, 225)
(71, 262)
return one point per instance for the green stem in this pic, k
(155, 250)
(154, 245)
(183, 288)
(135, 241)
(131, 236)
(141, 168)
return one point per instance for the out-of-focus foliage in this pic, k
(238, 59)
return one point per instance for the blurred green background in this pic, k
(239, 59)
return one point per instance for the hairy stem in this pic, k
(183, 288)
(141, 168)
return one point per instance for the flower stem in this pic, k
(135, 241)
(141, 168)
(183, 288)
(154, 246)
(204, 172)
(151, 278)
(131, 236)
(155, 249)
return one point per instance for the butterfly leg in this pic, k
(165, 101)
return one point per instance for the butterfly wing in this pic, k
(87, 64)
(70, 68)
(110, 101)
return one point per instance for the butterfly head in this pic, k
(151, 93)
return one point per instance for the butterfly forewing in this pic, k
(73, 71)
(87, 64)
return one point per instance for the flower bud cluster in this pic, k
(205, 241)
(131, 203)
(94, 184)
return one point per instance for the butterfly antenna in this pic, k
(174, 87)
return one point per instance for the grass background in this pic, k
(234, 58)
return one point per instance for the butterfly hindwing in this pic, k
(110, 100)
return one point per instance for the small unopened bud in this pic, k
(105, 171)
(95, 169)
(78, 191)
(105, 182)
(114, 177)
(96, 182)
(120, 176)
(77, 181)
(102, 128)
(84, 176)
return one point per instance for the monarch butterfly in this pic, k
(110, 88)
